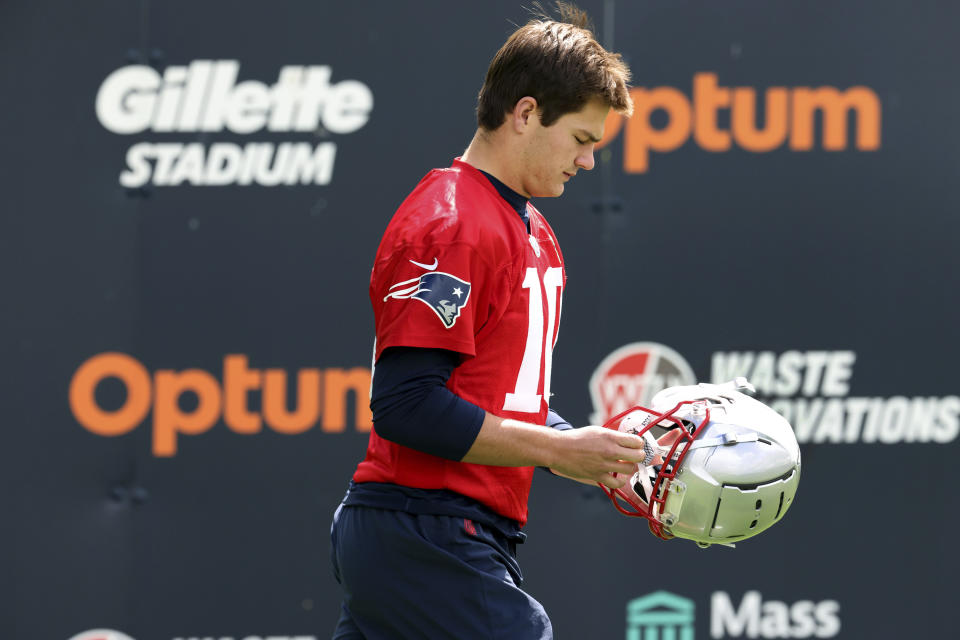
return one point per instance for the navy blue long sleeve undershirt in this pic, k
(412, 405)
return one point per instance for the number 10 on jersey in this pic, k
(538, 352)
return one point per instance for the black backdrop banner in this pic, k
(193, 196)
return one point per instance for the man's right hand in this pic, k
(591, 454)
(594, 454)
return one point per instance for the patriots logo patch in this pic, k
(447, 295)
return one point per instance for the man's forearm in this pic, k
(511, 443)
(588, 454)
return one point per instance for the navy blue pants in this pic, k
(428, 576)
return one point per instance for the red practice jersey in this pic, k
(457, 270)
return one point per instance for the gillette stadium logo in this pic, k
(632, 375)
(665, 615)
(205, 98)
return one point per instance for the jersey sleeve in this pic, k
(431, 294)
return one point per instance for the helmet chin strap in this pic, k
(653, 454)
(651, 449)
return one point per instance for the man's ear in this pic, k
(523, 111)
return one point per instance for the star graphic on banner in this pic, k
(458, 292)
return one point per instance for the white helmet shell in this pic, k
(737, 477)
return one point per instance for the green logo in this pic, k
(660, 616)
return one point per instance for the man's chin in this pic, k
(555, 192)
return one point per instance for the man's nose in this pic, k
(585, 159)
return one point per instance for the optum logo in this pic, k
(323, 397)
(719, 118)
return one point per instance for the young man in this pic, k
(466, 290)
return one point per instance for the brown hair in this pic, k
(559, 64)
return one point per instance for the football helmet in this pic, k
(720, 466)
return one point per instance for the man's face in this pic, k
(552, 155)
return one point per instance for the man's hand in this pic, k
(593, 454)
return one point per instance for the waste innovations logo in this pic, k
(632, 375)
(663, 615)
(205, 98)
(323, 396)
(811, 389)
(790, 116)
